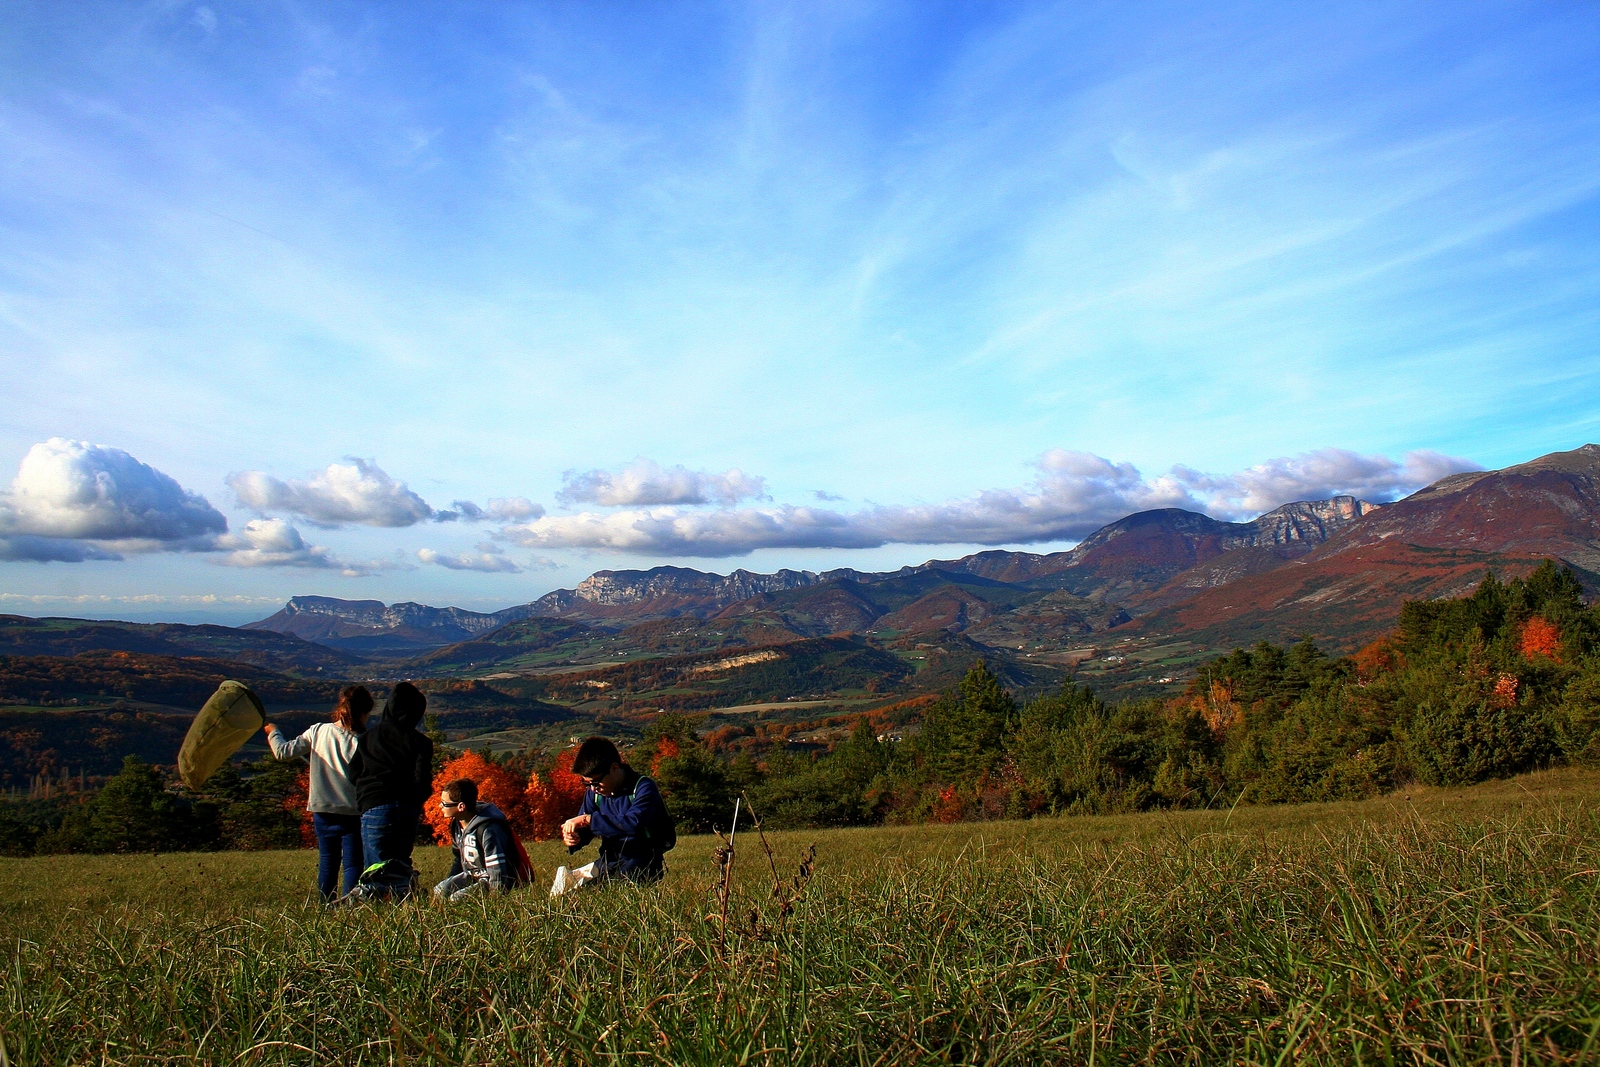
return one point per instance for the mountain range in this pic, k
(1167, 579)
(1337, 569)
(371, 626)
(1132, 610)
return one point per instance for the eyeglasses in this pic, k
(452, 803)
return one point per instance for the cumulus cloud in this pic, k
(1318, 475)
(645, 483)
(73, 501)
(275, 543)
(1073, 494)
(358, 492)
(489, 558)
(499, 509)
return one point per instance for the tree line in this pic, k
(1504, 680)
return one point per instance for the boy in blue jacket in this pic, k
(624, 809)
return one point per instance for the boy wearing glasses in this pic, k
(487, 859)
(624, 809)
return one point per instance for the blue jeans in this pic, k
(338, 840)
(388, 833)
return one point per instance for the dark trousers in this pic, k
(338, 841)
(388, 833)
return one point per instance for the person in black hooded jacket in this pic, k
(393, 773)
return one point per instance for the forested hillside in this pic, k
(1501, 681)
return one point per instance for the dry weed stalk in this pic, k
(786, 895)
(724, 857)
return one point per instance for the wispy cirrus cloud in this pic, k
(358, 492)
(111, 599)
(645, 483)
(1073, 494)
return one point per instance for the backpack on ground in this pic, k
(522, 867)
(524, 864)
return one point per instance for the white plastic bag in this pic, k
(573, 877)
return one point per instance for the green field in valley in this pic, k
(1435, 926)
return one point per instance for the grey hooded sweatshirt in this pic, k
(485, 851)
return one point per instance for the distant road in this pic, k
(775, 705)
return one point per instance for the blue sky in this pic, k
(758, 285)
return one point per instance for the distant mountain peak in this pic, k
(371, 626)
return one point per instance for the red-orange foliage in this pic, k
(1219, 709)
(551, 803)
(948, 807)
(724, 736)
(495, 784)
(1374, 661)
(666, 749)
(1505, 692)
(295, 803)
(1541, 637)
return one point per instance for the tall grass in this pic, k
(1453, 927)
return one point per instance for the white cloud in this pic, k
(202, 599)
(499, 509)
(275, 543)
(1317, 475)
(72, 501)
(645, 483)
(1074, 494)
(358, 492)
(489, 558)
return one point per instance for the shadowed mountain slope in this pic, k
(22, 636)
(374, 628)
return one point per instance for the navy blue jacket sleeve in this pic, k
(629, 816)
(585, 835)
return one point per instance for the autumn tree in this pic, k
(496, 785)
(553, 798)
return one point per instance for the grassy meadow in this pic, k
(1437, 926)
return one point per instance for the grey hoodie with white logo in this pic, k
(485, 855)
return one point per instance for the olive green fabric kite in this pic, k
(227, 721)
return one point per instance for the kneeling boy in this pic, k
(487, 859)
(624, 809)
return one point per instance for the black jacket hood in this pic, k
(405, 706)
(394, 763)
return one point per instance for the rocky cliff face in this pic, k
(616, 588)
(1305, 523)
